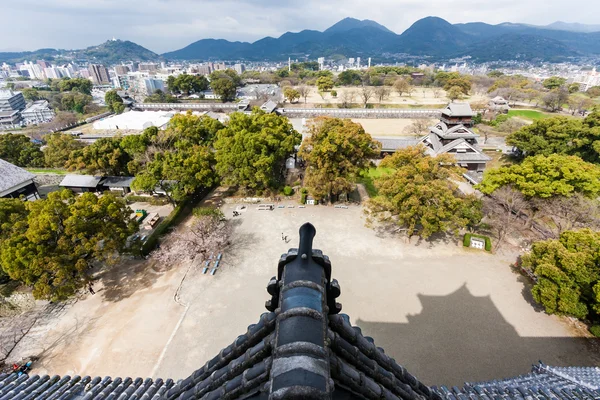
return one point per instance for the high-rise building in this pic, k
(44, 64)
(239, 68)
(121, 70)
(99, 74)
(34, 70)
(52, 73)
(204, 69)
(149, 67)
(152, 85)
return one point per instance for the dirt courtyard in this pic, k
(449, 315)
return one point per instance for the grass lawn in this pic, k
(529, 114)
(498, 159)
(367, 178)
(47, 171)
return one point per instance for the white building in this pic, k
(135, 120)
(38, 112)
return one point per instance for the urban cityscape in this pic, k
(180, 224)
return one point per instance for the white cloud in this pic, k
(166, 25)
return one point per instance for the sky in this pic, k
(167, 25)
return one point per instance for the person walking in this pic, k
(91, 289)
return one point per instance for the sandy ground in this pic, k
(449, 315)
(419, 96)
(388, 127)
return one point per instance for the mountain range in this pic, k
(430, 38)
(110, 52)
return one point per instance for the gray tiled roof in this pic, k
(393, 144)
(117, 181)
(459, 110)
(86, 181)
(543, 382)
(76, 388)
(12, 176)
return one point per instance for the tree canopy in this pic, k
(20, 150)
(225, 83)
(53, 247)
(105, 156)
(568, 273)
(251, 150)
(562, 135)
(59, 147)
(554, 82)
(543, 177)
(187, 84)
(178, 160)
(336, 151)
(114, 102)
(324, 83)
(419, 196)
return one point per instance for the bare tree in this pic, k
(418, 127)
(304, 91)
(365, 93)
(437, 92)
(347, 98)
(382, 93)
(208, 234)
(402, 86)
(503, 210)
(568, 213)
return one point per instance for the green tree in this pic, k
(324, 83)
(19, 150)
(251, 150)
(178, 173)
(495, 74)
(568, 273)
(454, 93)
(554, 82)
(419, 195)
(543, 177)
(31, 94)
(291, 94)
(560, 135)
(225, 83)
(81, 85)
(114, 102)
(160, 97)
(594, 91)
(336, 151)
(104, 156)
(463, 83)
(61, 237)
(187, 84)
(574, 87)
(350, 77)
(59, 147)
(74, 101)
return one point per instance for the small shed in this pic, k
(81, 183)
(117, 183)
(269, 106)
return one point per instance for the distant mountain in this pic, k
(519, 47)
(348, 24)
(432, 36)
(573, 27)
(115, 51)
(110, 52)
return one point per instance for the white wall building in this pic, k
(135, 120)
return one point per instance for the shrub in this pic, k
(288, 191)
(595, 330)
(297, 183)
(304, 194)
(155, 201)
(333, 93)
(467, 240)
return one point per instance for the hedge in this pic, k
(467, 240)
(595, 330)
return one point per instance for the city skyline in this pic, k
(162, 26)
